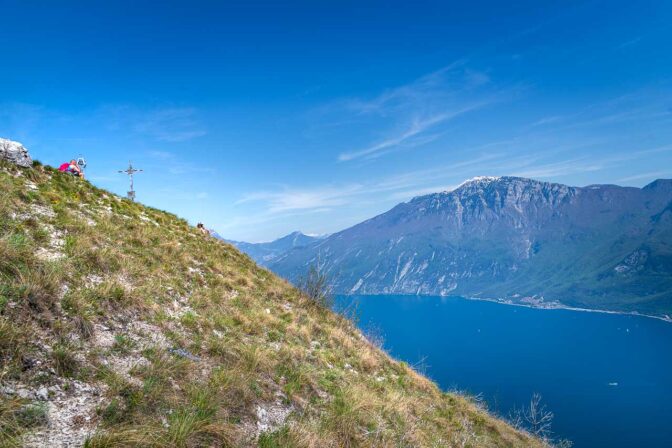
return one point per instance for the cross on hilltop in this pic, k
(130, 171)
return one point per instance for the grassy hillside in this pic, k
(121, 325)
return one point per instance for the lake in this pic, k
(606, 377)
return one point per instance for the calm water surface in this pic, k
(607, 378)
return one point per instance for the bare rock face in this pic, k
(15, 152)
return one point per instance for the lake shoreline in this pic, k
(543, 306)
(560, 306)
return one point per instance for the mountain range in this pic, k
(265, 253)
(510, 239)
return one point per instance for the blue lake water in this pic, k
(506, 353)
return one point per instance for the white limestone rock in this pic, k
(15, 153)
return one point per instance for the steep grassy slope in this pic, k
(120, 325)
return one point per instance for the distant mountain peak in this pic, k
(480, 180)
(265, 252)
(493, 189)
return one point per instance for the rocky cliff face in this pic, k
(600, 246)
(15, 153)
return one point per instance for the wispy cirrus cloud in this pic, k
(292, 199)
(562, 168)
(161, 155)
(417, 126)
(405, 114)
(494, 159)
(283, 200)
(635, 107)
(647, 176)
(452, 77)
(630, 43)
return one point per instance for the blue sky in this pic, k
(260, 118)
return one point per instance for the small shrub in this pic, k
(113, 413)
(316, 287)
(296, 378)
(111, 293)
(274, 336)
(10, 336)
(123, 344)
(188, 428)
(33, 414)
(189, 320)
(65, 363)
(10, 429)
(276, 439)
(41, 235)
(124, 437)
(84, 326)
(347, 415)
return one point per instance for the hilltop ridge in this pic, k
(121, 325)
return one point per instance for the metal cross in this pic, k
(131, 171)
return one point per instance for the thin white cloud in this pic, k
(287, 200)
(630, 43)
(546, 120)
(409, 111)
(638, 106)
(651, 176)
(161, 155)
(419, 90)
(416, 127)
(584, 164)
(563, 168)
(283, 200)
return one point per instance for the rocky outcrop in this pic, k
(15, 153)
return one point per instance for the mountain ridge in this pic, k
(511, 238)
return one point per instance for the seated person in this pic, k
(202, 228)
(72, 168)
(75, 170)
